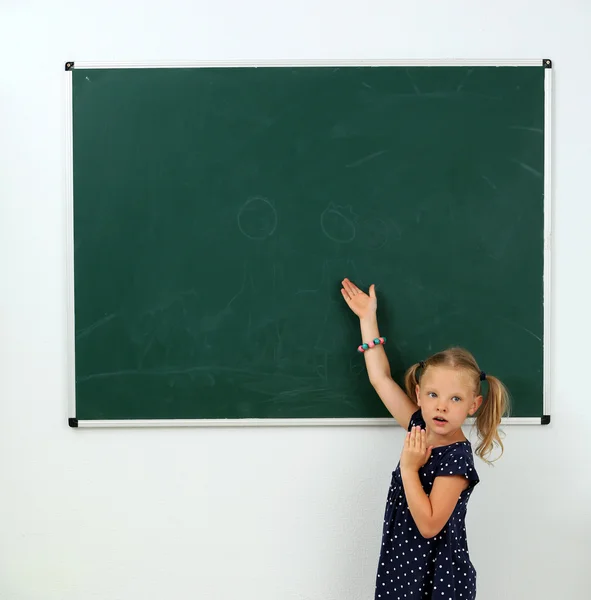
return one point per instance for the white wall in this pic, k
(262, 514)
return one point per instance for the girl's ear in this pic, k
(475, 405)
(418, 394)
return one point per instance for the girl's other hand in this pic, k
(362, 304)
(415, 453)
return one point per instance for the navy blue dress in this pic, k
(412, 567)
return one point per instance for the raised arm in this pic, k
(364, 305)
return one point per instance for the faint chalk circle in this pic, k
(257, 218)
(337, 224)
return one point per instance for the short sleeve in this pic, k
(458, 461)
(417, 420)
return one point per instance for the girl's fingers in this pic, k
(347, 286)
(419, 439)
(350, 287)
(416, 439)
(355, 289)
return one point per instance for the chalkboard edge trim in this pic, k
(548, 242)
(433, 62)
(68, 142)
(321, 422)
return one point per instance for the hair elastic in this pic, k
(379, 341)
(482, 376)
(422, 364)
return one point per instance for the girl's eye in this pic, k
(431, 394)
(456, 399)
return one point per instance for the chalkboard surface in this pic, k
(216, 211)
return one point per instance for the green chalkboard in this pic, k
(216, 210)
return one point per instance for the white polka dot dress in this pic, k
(412, 567)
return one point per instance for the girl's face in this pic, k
(447, 397)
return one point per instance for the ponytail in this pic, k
(488, 419)
(411, 381)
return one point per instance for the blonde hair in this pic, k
(494, 406)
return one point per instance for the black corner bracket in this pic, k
(547, 63)
(73, 422)
(69, 65)
(546, 420)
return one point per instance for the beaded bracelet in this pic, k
(376, 342)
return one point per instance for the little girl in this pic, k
(424, 551)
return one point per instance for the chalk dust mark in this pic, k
(414, 85)
(527, 168)
(492, 185)
(366, 85)
(323, 280)
(461, 85)
(534, 129)
(296, 392)
(322, 327)
(322, 369)
(167, 371)
(366, 159)
(517, 326)
(210, 323)
(532, 333)
(87, 330)
(245, 274)
(145, 351)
